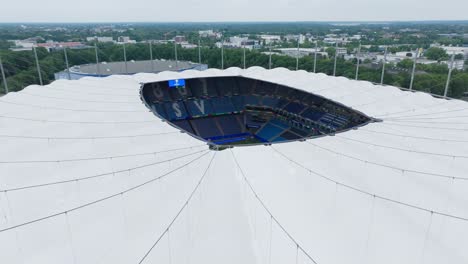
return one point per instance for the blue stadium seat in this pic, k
(226, 86)
(312, 114)
(206, 127)
(238, 102)
(179, 93)
(222, 105)
(251, 100)
(279, 123)
(159, 109)
(264, 88)
(245, 85)
(229, 125)
(160, 92)
(269, 131)
(282, 103)
(199, 107)
(175, 110)
(269, 101)
(294, 107)
(201, 87)
(185, 125)
(290, 136)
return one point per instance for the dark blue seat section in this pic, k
(251, 100)
(269, 101)
(175, 110)
(333, 120)
(282, 103)
(245, 85)
(251, 122)
(229, 125)
(279, 123)
(159, 109)
(179, 93)
(202, 87)
(222, 105)
(238, 102)
(290, 136)
(206, 127)
(300, 132)
(269, 131)
(312, 114)
(159, 92)
(264, 88)
(199, 107)
(294, 107)
(226, 86)
(282, 91)
(184, 125)
(225, 141)
(279, 139)
(297, 95)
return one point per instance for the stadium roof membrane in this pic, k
(89, 175)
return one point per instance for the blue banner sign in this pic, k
(177, 83)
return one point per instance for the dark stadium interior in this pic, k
(238, 110)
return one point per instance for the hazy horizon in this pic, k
(210, 11)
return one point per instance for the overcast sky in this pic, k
(229, 10)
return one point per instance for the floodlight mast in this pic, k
(66, 62)
(415, 61)
(315, 56)
(38, 67)
(297, 54)
(383, 66)
(358, 61)
(336, 57)
(151, 56)
(98, 71)
(3, 76)
(447, 84)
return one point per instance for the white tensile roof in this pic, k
(89, 175)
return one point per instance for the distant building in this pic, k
(457, 64)
(295, 38)
(125, 39)
(179, 39)
(100, 39)
(209, 34)
(302, 52)
(52, 45)
(268, 39)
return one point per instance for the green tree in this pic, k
(436, 53)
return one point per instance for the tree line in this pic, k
(20, 67)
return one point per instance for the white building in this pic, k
(454, 50)
(100, 39)
(302, 52)
(269, 39)
(457, 64)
